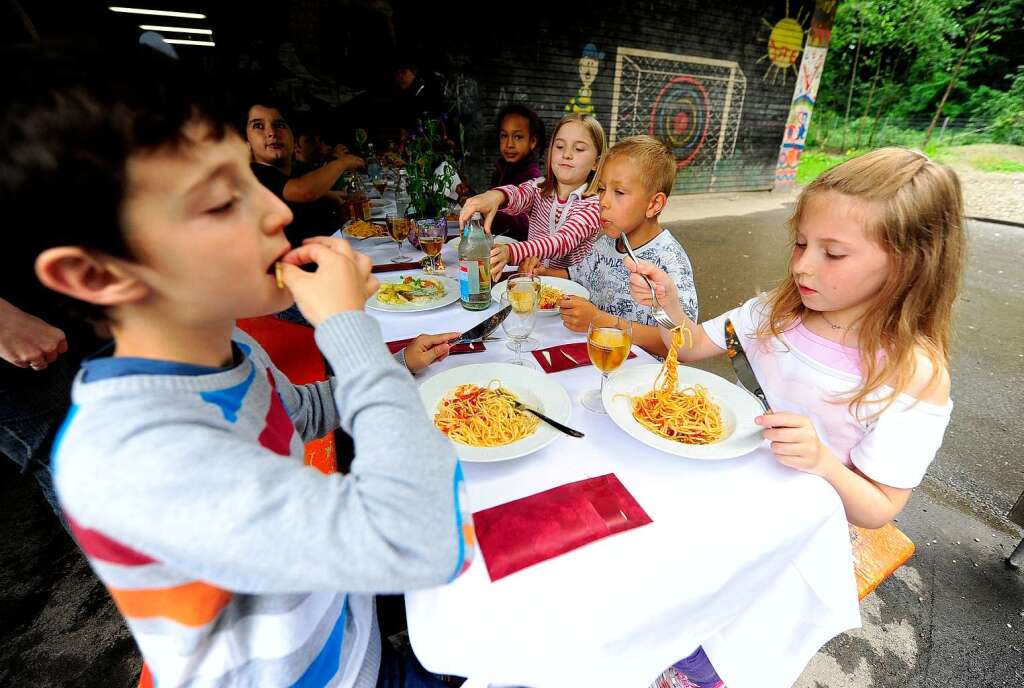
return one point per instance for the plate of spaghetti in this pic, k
(683, 411)
(472, 406)
(552, 289)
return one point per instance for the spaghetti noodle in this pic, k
(483, 416)
(549, 297)
(685, 415)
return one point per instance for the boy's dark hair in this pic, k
(70, 120)
(268, 101)
(536, 125)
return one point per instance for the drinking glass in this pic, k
(519, 322)
(524, 281)
(608, 347)
(398, 230)
(431, 238)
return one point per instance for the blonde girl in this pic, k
(852, 348)
(562, 206)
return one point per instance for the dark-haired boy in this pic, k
(179, 465)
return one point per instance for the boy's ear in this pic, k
(533, 142)
(86, 276)
(657, 204)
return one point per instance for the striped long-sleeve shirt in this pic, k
(232, 562)
(567, 246)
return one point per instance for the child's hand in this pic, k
(638, 289)
(531, 265)
(577, 313)
(342, 282)
(427, 349)
(499, 259)
(794, 441)
(486, 204)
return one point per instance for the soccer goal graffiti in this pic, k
(692, 103)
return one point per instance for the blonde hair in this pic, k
(652, 158)
(918, 219)
(596, 131)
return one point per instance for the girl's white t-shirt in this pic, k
(893, 449)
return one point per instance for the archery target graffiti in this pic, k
(693, 104)
(680, 117)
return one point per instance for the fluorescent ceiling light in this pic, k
(182, 41)
(178, 29)
(159, 13)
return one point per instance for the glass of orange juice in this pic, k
(607, 346)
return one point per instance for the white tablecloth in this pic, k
(745, 557)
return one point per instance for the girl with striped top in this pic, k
(563, 206)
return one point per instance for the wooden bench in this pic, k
(876, 554)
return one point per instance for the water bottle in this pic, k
(475, 266)
(373, 168)
(402, 198)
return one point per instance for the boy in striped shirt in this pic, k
(179, 465)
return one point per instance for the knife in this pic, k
(481, 330)
(550, 421)
(740, 364)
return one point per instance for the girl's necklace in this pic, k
(837, 327)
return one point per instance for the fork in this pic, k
(658, 312)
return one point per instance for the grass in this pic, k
(814, 161)
(995, 164)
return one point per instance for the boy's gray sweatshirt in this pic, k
(232, 562)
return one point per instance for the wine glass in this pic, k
(525, 281)
(518, 324)
(431, 238)
(398, 229)
(380, 182)
(608, 347)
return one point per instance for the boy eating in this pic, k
(179, 465)
(635, 180)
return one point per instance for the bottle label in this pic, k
(469, 278)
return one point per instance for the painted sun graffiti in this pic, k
(785, 43)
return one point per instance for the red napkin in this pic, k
(392, 267)
(470, 348)
(530, 530)
(565, 357)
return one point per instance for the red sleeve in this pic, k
(584, 221)
(520, 198)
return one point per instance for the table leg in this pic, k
(1016, 560)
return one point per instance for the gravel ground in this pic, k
(991, 195)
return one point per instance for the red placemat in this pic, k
(393, 267)
(532, 529)
(555, 359)
(470, 348)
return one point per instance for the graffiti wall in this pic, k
(724, 84)
(715, 82)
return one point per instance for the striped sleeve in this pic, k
(520, 198)
(582, 225)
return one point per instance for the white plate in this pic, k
(563, 285)
(451, 295)
(454, 243)
(532, 387)
(739, 409)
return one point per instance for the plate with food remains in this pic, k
(683, 411)
(472, 406)
(413, 293)
(360, 229)
(552, 289)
